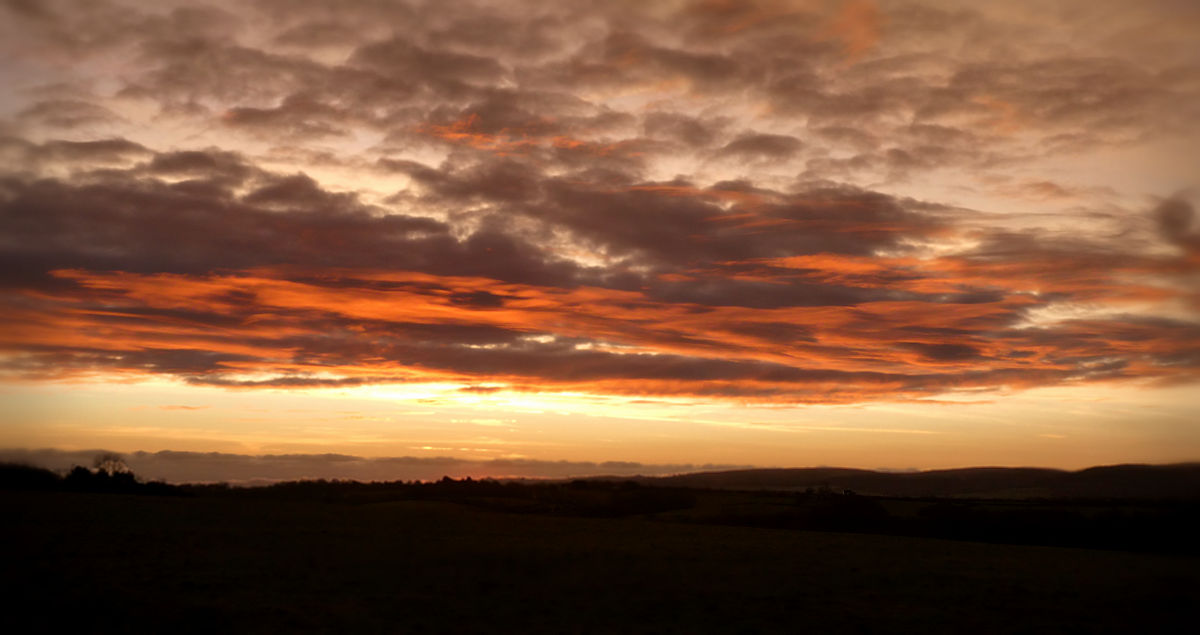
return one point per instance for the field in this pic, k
(123, 563)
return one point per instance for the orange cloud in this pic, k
(858, 26)
(288, 326)
(510, 142)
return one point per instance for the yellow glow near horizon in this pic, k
(1055, 427)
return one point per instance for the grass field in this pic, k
(115, 563)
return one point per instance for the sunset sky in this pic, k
(669, 235)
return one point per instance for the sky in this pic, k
(587, 235)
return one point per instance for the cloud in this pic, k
(298, 116)
(681, 128)
(1175, 218)
(788, 201)
(857, 25)
(767, 146)
(443, 70)
(942, 352)
(63, 114)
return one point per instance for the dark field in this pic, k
(228, 563)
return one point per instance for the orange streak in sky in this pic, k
(269, 313)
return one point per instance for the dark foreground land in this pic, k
(297, 560)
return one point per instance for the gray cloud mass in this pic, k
(749, 200)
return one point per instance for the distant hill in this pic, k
(1115, 481)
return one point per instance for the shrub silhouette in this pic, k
(14, 476)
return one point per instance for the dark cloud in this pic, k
(1175, 216)
(768, 146)
(780, 332)
(683, 129)
(443, 70)
(131, 221)
(1107, 96)
(679, 226)
(477, 299)
(502, 180)
(197, 69)
(213, 165)
(75, 154)
(64, 114)
(298, 116)
(942, 352)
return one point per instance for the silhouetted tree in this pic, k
(110, 474)
(111, 464)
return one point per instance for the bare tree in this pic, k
(111, 463)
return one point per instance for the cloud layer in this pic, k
(804, 202)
